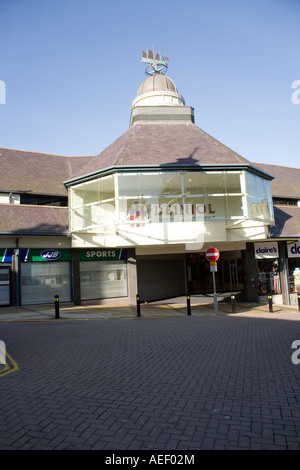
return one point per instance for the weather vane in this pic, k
(157, 65)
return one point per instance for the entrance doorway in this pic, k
(232, 268)
(229, 276)
(199, 277)
(4, 286)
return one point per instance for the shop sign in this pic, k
(102, 254)
(37, 254)
(51, 255)
(266, 250)
(293, 250)
(6, 255)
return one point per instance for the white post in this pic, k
(215, 293)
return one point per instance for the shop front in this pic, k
(103, 273)
(268, 272)
(293, 253)
(45, 273)
(229, 274)
(5, 276)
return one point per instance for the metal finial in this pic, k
(157, 65)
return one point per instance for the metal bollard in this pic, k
(270, 299)
(188, 303)
(138, 306)
(298, 295)
(232, 297)
(56, 303)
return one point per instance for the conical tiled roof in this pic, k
(162, 144)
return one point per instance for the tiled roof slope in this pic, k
(285, 182)
(37, 173)
(287, 222)
(161, 144)
(17, 218)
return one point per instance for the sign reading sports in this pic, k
(102, 254)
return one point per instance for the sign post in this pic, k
(212, 255)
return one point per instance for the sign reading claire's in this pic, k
(265, 250)
(102, 254)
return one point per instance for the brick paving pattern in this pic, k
(190, 383)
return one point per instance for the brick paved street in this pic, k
(206, 382)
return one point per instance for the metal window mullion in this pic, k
(117, 208)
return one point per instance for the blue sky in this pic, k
(71, 70)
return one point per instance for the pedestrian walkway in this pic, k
(162, 382)
(167, 308)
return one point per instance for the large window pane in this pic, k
(204, 183)
(211, 182)
(152, 184)
(259, 198)
(41, 281)
(93, 204)
(103, 279)
(234, 206)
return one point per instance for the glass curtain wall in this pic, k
(93, 205)
(139, 198)
(260, 205)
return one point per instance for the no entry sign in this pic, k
(212, 254)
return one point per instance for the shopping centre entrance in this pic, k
(229, 275)
(166, 276)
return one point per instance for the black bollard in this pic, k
(56, 303)
(298, 295)
(138, 306)
(232, 297)
(188, 303)
(270, 299)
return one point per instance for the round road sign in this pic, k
(212, 254)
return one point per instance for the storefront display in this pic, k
(268, 281)
(103, 274)
(296, 275)
(293, 252)
(44, 274)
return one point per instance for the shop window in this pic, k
(268, 281)
(103, 279)
(294, 275)
(41, 281)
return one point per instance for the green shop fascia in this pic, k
(39, 255)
